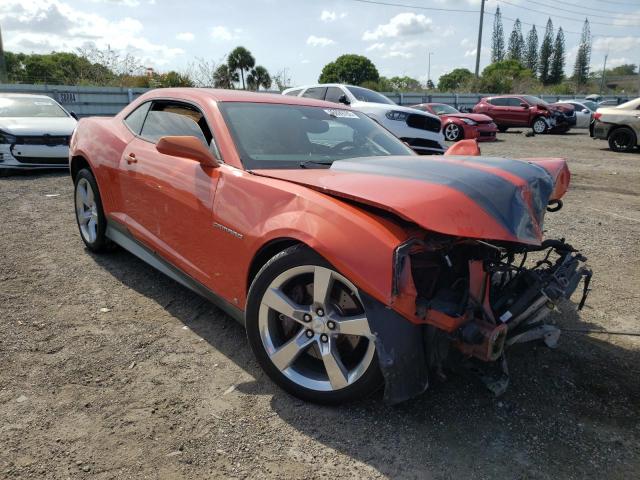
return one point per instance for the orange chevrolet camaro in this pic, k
(352, 262)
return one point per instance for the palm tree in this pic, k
(241, 59)
(224, 76)
(259, 77)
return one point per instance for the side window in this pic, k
(294, 93)
(333, 94)
(498, 102)
(136, 118)
(315, 92)
(515, 102)
(175, 118)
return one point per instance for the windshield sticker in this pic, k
(340, 113)
(43, 103)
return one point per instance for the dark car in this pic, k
(509, 111)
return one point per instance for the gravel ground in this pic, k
(110, 370)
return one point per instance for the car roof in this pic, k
(223, 95)
(24, 95)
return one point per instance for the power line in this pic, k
(565, 31)
(416, 7)
(555, 7)
(620, 3)
(565, 17)
(599, 9)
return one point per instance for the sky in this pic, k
(301, 36)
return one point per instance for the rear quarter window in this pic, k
(136, 118)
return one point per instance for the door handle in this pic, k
(131, 158)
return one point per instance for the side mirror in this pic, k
(524, 105)
(187, 147)
(74, 114)
(585, 110)
(343, 99)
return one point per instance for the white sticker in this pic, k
(43, 103)
(506, 316)
(334, 112)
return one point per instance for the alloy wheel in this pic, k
(539, 126)
(314, 329)
(452, 132)
(87, 210)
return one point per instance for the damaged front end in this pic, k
(470, 300)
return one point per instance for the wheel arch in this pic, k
(78, 162)
(266, 252)
(618, 126)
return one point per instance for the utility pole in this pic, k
(604, 67)
(479, 37)
(429, 69)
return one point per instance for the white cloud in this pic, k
(42, 26)
(397, 53)
(376, 46)
(220, 32)
(400, 25)
(319, 41)
(330, 16)
(186, 36)
(616, 44)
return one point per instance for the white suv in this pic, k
(420, 130)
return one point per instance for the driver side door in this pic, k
(170, 199)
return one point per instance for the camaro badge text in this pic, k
(228, 230)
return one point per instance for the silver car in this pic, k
(583, 112)
(34, 133)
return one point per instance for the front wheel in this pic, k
(539, 125)
(309, 331)
(622, 140)
(453, 132)
(92, 222)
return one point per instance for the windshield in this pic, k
(441, 109)
(269, 135)
(366, 95)
(534, 100)
(30, 107)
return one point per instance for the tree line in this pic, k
(93, 66)
(546, 62)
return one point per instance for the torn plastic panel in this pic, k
(481, 298)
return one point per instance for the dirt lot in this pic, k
(110, 370)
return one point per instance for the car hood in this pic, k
(37, 125)
(474, 197)
(381, 107)
(476, 117)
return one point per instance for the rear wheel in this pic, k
(453, 132)
(502, 129)
(539, 125)
(308, 329)
(622, 140)
(89, 214)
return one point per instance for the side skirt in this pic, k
(120, 234)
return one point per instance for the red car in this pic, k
(352, 262)
(509, 111)
(457, 126)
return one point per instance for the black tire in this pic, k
(453, 132)
(100, 243)
(503, 129)
(539, 125)
(296, 256)
(622, 139)
(5, 172)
